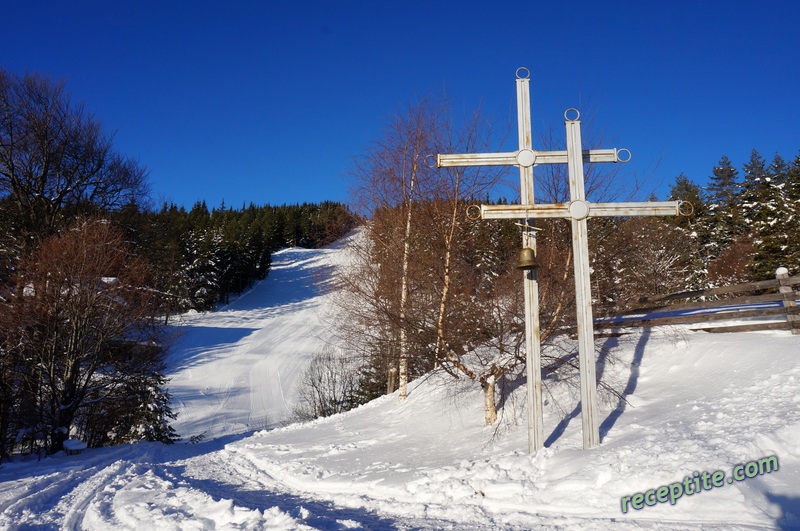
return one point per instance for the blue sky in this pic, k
(270, 101)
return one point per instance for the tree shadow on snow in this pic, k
(293, 285)
(790, 510)
(630, 388)
(316, 513)
(509, 383)
(201, 344)
(633, 381)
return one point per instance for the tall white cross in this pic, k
(578, 210)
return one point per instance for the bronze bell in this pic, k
(527, 260)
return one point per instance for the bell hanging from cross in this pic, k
(527, 260)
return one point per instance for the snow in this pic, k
(694, 402)
(236, 369)
(74, 445)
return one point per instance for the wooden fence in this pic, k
(766, 298)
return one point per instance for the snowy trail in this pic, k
(693, 402)
(182, 487)
(236, 368)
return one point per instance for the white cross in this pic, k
(577, 210)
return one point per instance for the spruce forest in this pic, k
(91, 273)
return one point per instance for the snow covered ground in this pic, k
(235, 369)
(696, 402)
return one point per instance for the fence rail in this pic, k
(661, 309)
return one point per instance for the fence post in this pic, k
(788, 298)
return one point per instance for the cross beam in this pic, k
(580, 210)
(527, 157)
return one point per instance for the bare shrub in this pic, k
(327, 386)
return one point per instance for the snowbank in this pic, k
(696, 402)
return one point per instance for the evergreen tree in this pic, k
(724, 218)
(723, 184)
(791, 223)
(755, 193)
(778, 171)
(685, 189)
(694, 228)
(769, 229)
(202, 278)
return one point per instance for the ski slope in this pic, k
(694, 402)
(236, 369)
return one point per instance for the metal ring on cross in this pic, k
(577, 115)
(626, 159)
(473, 212)
(432, 161)
(526, 74)
(685, 208)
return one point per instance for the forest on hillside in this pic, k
(201, 257)
(90, 272)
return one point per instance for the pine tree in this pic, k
(769, 229)
(685, 189)
(202, 276)
(791, 255)
(694, 228)
(754, 193)
(724, 216)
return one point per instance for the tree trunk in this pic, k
(404, 289)
(489, 404)
(441, 339)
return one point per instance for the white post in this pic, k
(533, 363)
(788, 299)
(579, 211)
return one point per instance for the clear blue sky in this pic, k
(270, 101)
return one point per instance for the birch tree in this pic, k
(388, 181)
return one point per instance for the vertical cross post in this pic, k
(579, 211)
(524, 159)
(533, 361)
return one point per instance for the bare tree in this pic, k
(416, 244)
(55, 158)
(84, 324)
(327, 386)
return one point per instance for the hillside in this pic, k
(695, 402)
(235, 369)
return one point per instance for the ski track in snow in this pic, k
(694, 402)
